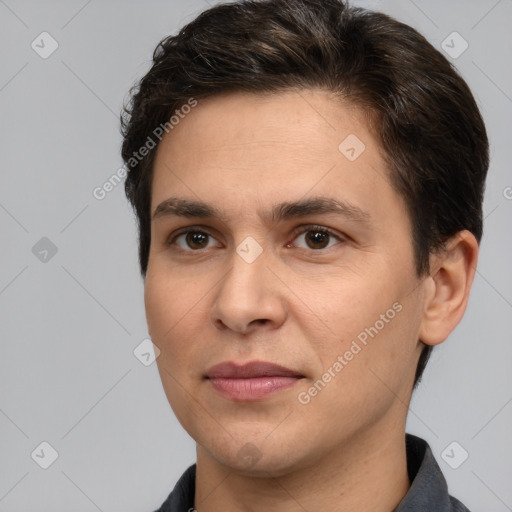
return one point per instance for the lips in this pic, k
(254, 381)
(253, 369)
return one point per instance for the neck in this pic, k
(368, 472)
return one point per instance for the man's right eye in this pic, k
(192, 240)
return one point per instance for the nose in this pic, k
(249, 297)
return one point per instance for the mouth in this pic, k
(252, 381)
(251, 370)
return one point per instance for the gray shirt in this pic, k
(428, 491)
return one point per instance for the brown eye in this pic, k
(196, 239)
(193, 240)
(316, 238)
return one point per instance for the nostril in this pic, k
(261, 320)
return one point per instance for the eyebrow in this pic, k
(175, 206)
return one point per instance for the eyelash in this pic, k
(298, 231)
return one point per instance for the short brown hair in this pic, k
(430, 128)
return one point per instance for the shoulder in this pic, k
(428, 489)
(181, 498)
(457, 506)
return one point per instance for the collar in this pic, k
(428, 490)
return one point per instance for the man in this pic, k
(309, 222)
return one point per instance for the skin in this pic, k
(296, 305)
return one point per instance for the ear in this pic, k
(448, 286)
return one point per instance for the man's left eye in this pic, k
(317, 238)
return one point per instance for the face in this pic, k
(300, 255)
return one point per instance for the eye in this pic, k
(317, 237)
(312, 237)
(193, 239)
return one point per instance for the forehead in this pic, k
(245, 147)
(243, 122)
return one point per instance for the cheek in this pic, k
(176, 316)
(359, 382)
(167, 302)
(367, 321)
(344, 306)
(386, 363)
(173, 312)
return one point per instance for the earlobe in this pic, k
(448, 286)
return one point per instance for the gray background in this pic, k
(70, 323)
